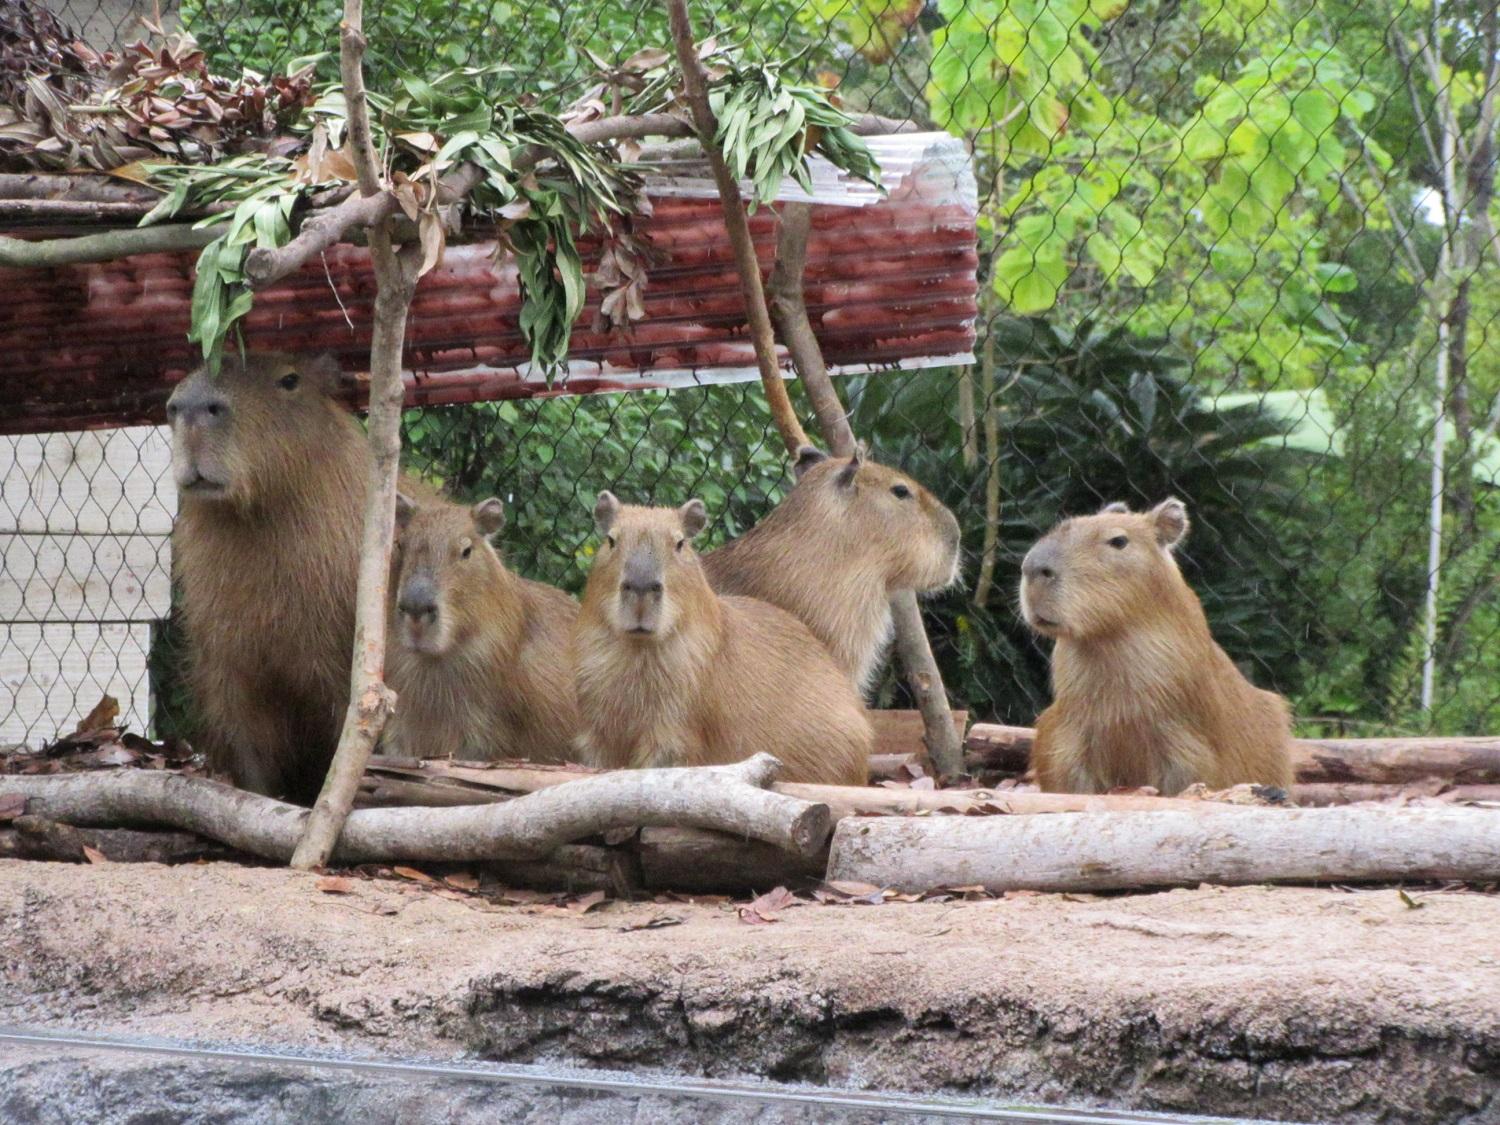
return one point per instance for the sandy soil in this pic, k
(1294, 1003)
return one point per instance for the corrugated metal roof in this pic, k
(890, 283)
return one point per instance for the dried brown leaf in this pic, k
(433, 240)
(768, 907)
(335, 884)
(463, 880)
(587, 902)
(105, 714)
(413, 874)
(94, 855)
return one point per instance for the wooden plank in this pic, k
(52, 674)
(95, 482)
(82, 578)
(900, 732)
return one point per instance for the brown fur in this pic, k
(1142, 693)
(834, 551)
(266, 548)
(487, 673)
(271, 483)
(671, 674)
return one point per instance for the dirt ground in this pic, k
(1300, 1004)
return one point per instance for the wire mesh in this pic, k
(1237, 251)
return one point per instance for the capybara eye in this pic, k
(1119, 542)
(900, 492)
(467, 551)
(289, 381)
(609, 539)
(681, 543)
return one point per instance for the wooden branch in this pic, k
(442, 784)
(849, 800)
(371, 702)
(70, 210)
(19, 253)
(731, 799)
(925, 681)
(695, 92)
(1386, 761)
(36, 838)
(690, 859)
(944, 745)
(80, 188)
(789, 312)
(1127, 851)
(577, 867)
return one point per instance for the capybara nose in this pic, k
(1038, 565)
(641, 587)
(418, 599)
(196, 405)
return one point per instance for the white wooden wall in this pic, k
(85, 569)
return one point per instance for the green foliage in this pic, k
(768, 126)
(264, 190)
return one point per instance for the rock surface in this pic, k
(1291, 1003)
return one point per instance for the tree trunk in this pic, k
(1131, 851)
(690, 859)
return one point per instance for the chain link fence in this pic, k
(1237, 251)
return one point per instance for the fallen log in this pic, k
(1126, 851)
(36, 838)
(732, 799)
(577, 867)
(443, 783)
(1326, 794)
(689, 859)
(1385, 761)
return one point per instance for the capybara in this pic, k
(670, 673)
(271, 473)
(478, 655)
(848, 535)
(1142, 695)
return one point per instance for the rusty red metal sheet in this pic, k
(889, 284)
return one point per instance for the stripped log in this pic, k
(731, 799)
(441, 783)
(1382, 761)
(1125, 851)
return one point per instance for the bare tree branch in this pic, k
(371, 701)
(19, 253)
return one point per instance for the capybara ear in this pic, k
(694, 517)
(606, 508)
(322, 370)
(807, 457)
(1118, 507)
(489, 515)
(846, 476)
(1170, 519)
(405, 509)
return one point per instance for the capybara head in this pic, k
(646, 566)
(240, 435)
(443, 561)
(1093, 575)
(881, 514)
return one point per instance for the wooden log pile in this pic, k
(732, 829)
